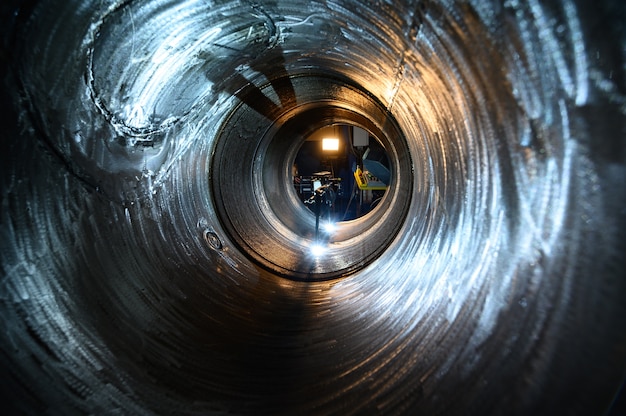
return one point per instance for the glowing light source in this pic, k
(330, 144)
(318, 249)
(329, 227)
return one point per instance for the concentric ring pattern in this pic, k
(123, 292)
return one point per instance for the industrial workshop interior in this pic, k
(327, 207)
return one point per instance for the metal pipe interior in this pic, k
(150, 266)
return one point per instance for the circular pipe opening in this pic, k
(340, 173)
(260, 210)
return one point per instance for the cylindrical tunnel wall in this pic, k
(492, 285)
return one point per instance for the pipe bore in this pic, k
(155, 258)
(254, 191)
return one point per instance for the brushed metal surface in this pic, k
(128, 288)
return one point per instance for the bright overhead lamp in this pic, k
(330, 144)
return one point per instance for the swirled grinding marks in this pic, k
(492, 282)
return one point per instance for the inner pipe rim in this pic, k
(292, 125)
(259, 212)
